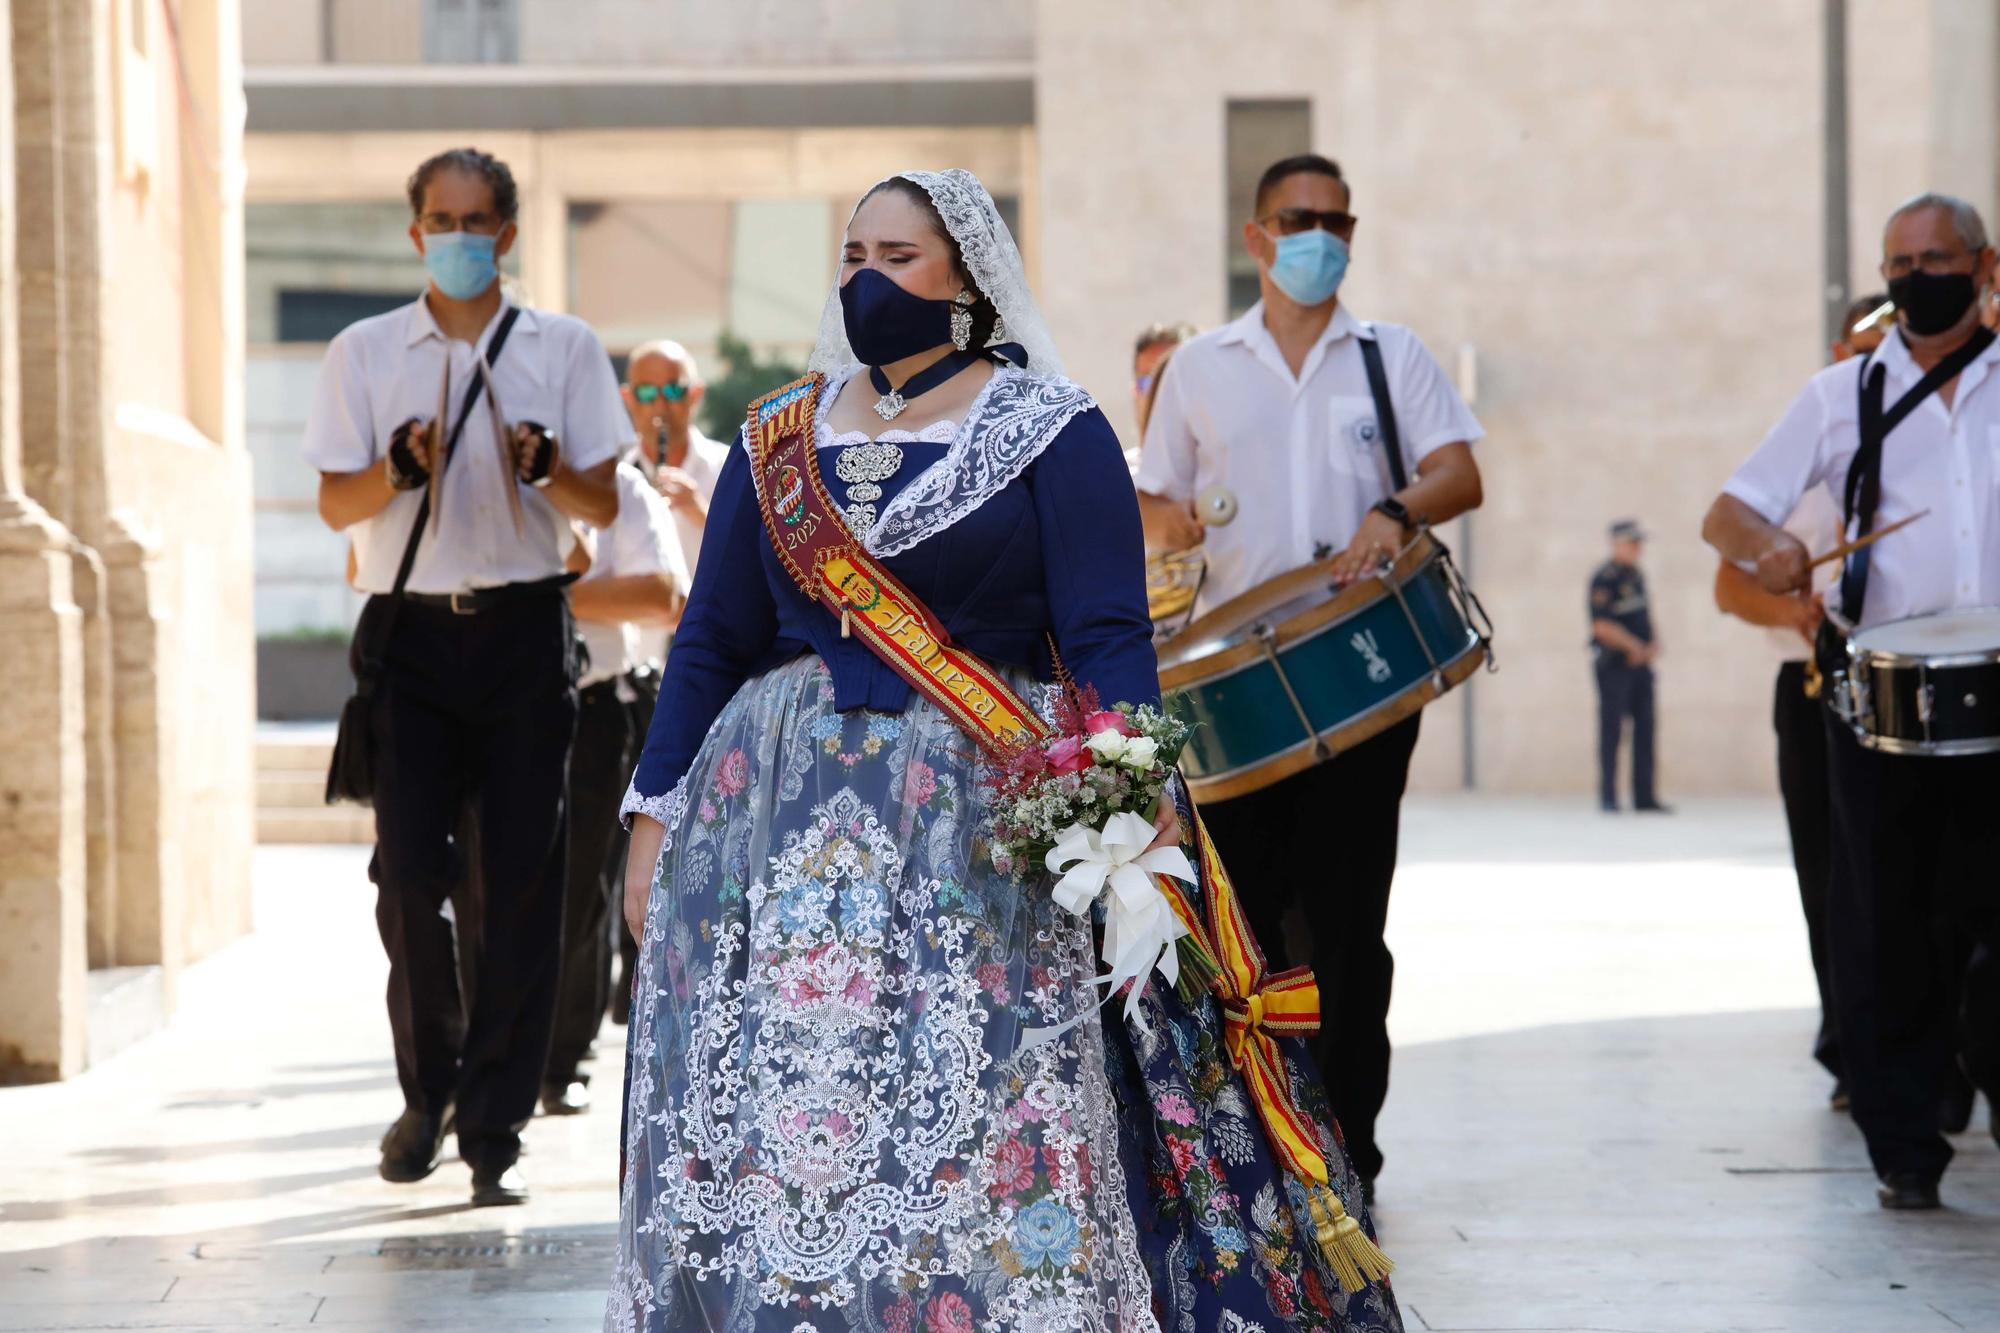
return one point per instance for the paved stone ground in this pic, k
(1604, 1117)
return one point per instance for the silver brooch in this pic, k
(863, 467)
(890, 405)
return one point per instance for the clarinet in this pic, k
(659, 457)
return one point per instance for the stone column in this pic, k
(42, 884)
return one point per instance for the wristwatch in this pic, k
(1393, 508)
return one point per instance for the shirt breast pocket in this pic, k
(1355, 444)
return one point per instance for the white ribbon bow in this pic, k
(1139, 927)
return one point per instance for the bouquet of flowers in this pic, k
(1081, 804)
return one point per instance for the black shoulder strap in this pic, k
(451, 449)
(1863, 491)
(1385, 411)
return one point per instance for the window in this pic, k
(1256, 134)
(472, 32)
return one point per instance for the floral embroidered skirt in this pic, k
(831, 1123)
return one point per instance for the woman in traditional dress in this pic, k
(832, 1120)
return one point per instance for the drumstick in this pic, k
(437, 446)
(1845, 549)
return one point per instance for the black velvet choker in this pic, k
(892, 402)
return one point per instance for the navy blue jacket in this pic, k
(1056, 551)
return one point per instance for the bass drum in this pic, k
(1296, 670)
(1928, 685)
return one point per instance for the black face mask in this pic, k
(1932, 302)
(885, 323)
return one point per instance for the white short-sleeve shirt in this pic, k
(640, 540)
(1302, 455)
(382, 371)
(1946, 461)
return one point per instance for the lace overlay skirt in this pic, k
(830, 1123)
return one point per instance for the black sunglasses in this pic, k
(1292, 221)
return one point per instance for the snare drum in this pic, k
(1928, 685)
(1173, 581)
(1296, 670)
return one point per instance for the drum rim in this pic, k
(1889, 657)
(1412, 560)
(1957, 747)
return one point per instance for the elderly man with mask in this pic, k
(1904, 826)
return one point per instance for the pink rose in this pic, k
(734, 775)
(993, 978)
(919, 784)
(1013, 1168)
(948, 1313)
(1109, 720)
(900, 1317)
(1068, 755)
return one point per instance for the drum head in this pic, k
(1946, 634)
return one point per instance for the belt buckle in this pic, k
(458, 610)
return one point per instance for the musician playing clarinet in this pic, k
(1908, 428)
(1337, 438)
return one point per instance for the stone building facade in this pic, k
(125, 564)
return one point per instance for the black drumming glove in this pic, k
(536, 452)
(408, 464)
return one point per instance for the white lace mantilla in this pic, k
(992, 261)
(1015, 417)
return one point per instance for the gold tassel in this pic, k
(1355, 1259)
(845, 630)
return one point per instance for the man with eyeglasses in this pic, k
(456, 438)
(1914, 837)
(1277, 409)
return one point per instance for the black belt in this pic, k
(485, 599)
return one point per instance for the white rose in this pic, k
(1139, 752)
(1108, 746)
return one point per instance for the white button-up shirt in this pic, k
(382, 371)
(641, 540)
(1302, 454)
(1946, 461)
(703, 463)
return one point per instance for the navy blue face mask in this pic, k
(885, 324)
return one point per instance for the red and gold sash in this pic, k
(830, 565)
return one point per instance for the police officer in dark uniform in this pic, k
(1621, 634)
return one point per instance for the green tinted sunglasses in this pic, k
(646, 393)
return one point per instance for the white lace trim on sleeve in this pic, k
(666, 807)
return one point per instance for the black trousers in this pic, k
(472, 728)
(600, 767)
(1916, 880)
(1802, 781)
(1624, 691)
(1275, 843)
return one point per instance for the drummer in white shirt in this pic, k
(1276, 409)
(1903, 825)
(635, 582)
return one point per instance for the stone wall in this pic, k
(125, 622)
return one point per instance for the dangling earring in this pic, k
(961, 320)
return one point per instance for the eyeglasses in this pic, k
(647, 393)
(486, 224)
(1930, 261)
(1292, 221)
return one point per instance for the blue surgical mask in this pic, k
(461, 263)
(1309, 265)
